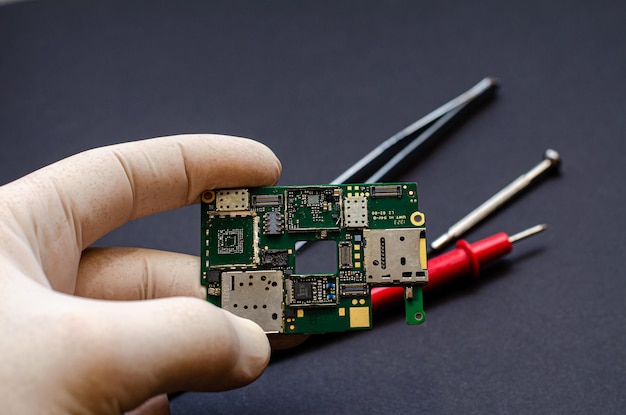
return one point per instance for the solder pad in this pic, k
(249, 239)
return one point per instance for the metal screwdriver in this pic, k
(551, 161)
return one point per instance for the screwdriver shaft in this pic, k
(550, 161)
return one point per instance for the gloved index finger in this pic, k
(65, 207)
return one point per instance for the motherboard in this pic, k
(250, 268)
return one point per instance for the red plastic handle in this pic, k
(466, 259)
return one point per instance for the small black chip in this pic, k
(290, 312)
(213, 276)
(275, 258)
(302, 291)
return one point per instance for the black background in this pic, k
(322, 83)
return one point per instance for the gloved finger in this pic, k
(140, 274)
(176, 344)
(286, 341)
(66, 206)
(137, 274)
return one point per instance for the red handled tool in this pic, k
(466, 259)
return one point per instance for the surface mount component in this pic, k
(249, 263)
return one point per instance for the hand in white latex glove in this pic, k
(61, 353)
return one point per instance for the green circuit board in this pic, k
(249, 264)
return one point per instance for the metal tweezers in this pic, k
(395, 152)
(391, 153)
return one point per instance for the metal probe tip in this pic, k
(528, 232)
